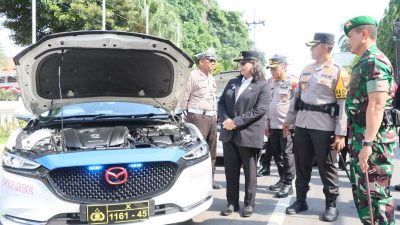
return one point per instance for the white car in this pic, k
(101, 146)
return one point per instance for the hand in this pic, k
(285, 129)
(266, 132)
(338, 144)
(229, 124)
(363, 157)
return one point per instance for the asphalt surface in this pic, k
(271, 211)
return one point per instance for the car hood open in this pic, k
(88, 66)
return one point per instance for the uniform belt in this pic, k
(202, 112)
(330, 109)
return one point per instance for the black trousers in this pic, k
(282, 150)
(307, 144)
(265, 159)
(234, 157)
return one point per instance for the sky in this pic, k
(291, 23)
(288, 24)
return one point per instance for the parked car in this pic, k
(222, 80)
(102, 146)
(8, 81)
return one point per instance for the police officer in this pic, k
(373, 136)
(282, 91)
(199, 102)
(320, 121)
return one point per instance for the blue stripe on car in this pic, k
(104, 157)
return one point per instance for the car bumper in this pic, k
(25, 200)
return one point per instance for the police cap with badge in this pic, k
(209, 54)
(322, 38)
(276, 60)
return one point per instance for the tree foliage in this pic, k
(385, 32)
(202, 24)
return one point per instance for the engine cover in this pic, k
(102, 137)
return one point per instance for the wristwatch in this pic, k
(367, 143)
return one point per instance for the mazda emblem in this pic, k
(116, 175)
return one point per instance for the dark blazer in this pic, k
(248, 113)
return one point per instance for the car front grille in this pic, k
(79, 184)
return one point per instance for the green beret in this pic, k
(358, 21)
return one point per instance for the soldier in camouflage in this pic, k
(373, 139)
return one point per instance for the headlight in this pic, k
(196, 153)
(18, 162)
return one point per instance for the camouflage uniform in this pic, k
(372, 73)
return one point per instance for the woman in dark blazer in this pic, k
(241, 110)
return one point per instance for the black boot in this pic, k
(285, 191)
(277, 186)
(299, 205)
(263, 172)
(331, 211)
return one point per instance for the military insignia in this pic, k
(348, 24)
(282, 97)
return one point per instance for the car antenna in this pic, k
(61, 98)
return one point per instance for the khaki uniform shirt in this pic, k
(318, 84)
(282, 92)
(200, 92)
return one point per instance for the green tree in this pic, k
(69, 15)
(343, 41)
(202, 23)
(385, 33)
(206, 25)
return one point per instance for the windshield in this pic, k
(102, 108)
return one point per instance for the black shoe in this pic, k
(397, 187)
(296, 207)
(330, 214)
(247, 211)
(263, 172)
(331, 211)
(277, 186)
(216, 186)
(229, 210)
(285, 191)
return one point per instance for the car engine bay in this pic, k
(47, 140)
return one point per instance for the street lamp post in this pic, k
(33, 21)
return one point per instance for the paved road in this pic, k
(270, 210)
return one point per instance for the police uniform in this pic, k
(372, 73)
(199, 105)
(320, 116)
(282, 92)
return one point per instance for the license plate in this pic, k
(117, 213)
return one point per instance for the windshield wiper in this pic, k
(71, 117)
(132, 116)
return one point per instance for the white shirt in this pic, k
(245, 84)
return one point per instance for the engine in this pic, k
(70, 139)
